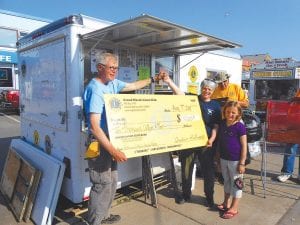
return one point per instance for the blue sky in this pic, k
(260, 26)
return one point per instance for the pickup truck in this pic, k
(9, 99)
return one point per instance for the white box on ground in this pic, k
(177, 166)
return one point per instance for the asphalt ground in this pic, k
(277, 204)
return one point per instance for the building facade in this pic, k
(13, 26)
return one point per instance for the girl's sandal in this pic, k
(229, 215)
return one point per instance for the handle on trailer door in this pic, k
(63, 117)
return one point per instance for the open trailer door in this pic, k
(152, 43)
(155, 36)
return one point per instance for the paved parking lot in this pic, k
(277, 204)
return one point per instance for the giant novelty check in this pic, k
(141, 124)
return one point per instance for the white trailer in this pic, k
(196, 67)
(55, 64)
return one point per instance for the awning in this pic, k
(149, 34)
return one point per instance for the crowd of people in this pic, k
(226, 146)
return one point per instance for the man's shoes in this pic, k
(182, 199)
(111, 219)
(179, 200)
(199, 172)
(210, 203)
(284, 177)
(187, 198)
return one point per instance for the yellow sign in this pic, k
(267, 74)
(195, 40)
(149, 124)
(193, 73)
(193, 88)
(36, 137)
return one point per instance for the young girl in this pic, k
(233, 152)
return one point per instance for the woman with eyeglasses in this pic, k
(211, 114)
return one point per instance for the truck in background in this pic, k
(276, 80)
(247, 83)
(9, 99)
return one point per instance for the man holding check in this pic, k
(103, 169)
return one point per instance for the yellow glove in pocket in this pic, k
(93, 150)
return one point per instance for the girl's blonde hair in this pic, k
(233, 104)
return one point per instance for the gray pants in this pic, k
(230, 173)
(104, 176)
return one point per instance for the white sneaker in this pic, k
(283, 177)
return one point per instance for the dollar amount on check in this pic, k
(141, 124)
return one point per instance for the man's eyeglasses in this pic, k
(110, 67)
